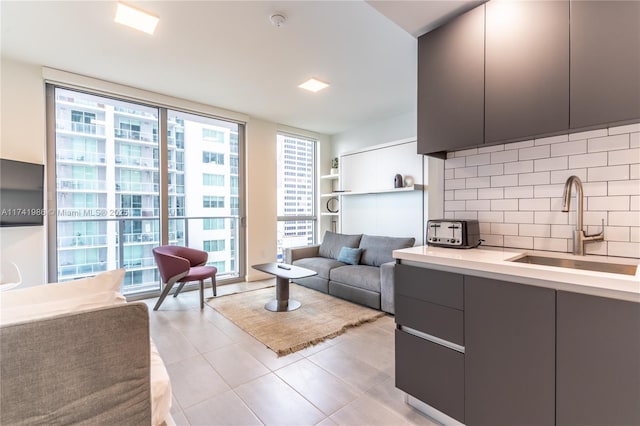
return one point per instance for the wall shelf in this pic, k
(378, 191)
(330, 177)
(329, 214)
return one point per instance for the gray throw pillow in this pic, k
(332, 243)
(377, 250)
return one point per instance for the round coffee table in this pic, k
(284, 274)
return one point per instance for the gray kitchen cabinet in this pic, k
(598, 361)
(526, 70)
(451, 85)
(509, 353)
(605, 63)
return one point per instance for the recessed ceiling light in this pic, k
(313, 85)
(136, 18)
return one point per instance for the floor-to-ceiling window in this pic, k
(296, 191)
(107, 179)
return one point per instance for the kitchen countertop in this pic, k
(494, 263)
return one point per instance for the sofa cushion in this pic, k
(361, 276)
(321, 265)
(377, 250)
(350, 255)
(332, 243)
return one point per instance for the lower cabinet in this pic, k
(431, 373)
(598, 363)
(509, 353)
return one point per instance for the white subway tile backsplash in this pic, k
(518, 242)
(608, 173)
(562, 231)
(478, 205)
(540, 178)
(504, 228)
(624, 156)
(615, 233)
(631, 218)
(518, 192)
(486, 218)
(560, 176)
(504, 180)
(628, 249)
(551, 139)
(518, 217)
(504, 205)
(504, 156)
(490, 193)
(624, 187)
(534, 152)
(466, 172)
(608, 143)
(534, 230)
(466, 194)
(554, 163)
(518, 145)
(588, 134)
(515, 190)
(569, 148)
(608, 203)
(478, 160)
(551, 244)
(491, 170)
(535, 204)
(588, 160)
(518, 167)
(478, 182)
(630, 128)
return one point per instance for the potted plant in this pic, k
(334, 166)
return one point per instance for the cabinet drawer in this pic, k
(442, 288)
(437, 320)
(432, 373)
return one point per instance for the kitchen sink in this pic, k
(612, 268)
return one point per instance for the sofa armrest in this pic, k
(386, 287)
(77, 368)
(292, 254)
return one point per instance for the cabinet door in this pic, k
(598, 361)
(432, 373)
(527, 69)
(605, 62)
(451, 85)
(509, 353)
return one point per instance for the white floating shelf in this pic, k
(329, 214)
(379, 191)
(336, 176)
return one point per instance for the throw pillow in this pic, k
(378, 250)
(350, 255)
(332, 243)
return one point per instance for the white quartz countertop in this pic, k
(495, 263)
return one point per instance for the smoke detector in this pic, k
(277, 19)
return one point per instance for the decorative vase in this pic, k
(408, 181)
(334, 171)
(397, 181)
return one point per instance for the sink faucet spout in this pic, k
(579, 236)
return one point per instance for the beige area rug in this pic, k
(320, 317)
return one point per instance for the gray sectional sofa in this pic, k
(369, 282)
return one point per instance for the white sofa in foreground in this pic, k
(75, 353)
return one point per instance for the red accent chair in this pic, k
(182, 265)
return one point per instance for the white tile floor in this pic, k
(221, 375)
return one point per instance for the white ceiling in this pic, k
(228, 54)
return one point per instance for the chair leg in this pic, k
(179, 289)
(201, 294)
(165, 291)
(213, 285)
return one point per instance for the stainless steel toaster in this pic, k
(453, 233)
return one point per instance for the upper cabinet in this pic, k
(526, 69)
(605, 63)
(451, 84)
(514, 70)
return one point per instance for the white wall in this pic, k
(22, 118)
(515, 190)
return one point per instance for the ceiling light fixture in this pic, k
(136, 18)
(314, 85)
(278, 19)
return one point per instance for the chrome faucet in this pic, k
(579, 236)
